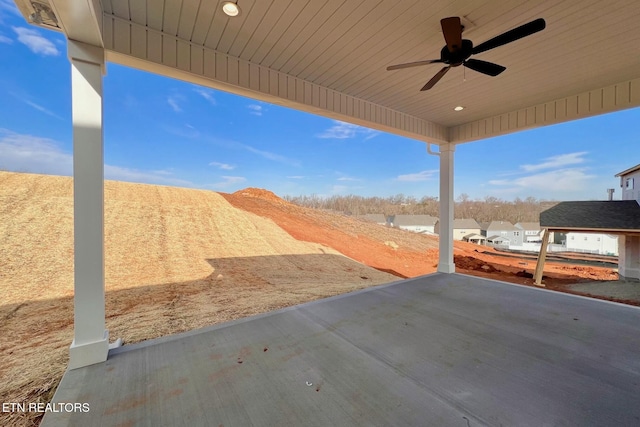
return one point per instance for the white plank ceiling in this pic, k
(330, 56)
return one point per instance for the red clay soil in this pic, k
(403, 253)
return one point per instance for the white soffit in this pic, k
(329, 57)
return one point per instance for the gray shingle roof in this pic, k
(501, 226)
(606, 215)
(465, 223)
(379, 218)
(425, 220)
(474, 236)
(528, 226)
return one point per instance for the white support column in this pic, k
(445, 263)
(91, 339)
(629, 257)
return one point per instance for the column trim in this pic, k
(91, 339)
(445, 261)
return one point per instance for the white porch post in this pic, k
(629, 257)
(91, 340)
(445, 263)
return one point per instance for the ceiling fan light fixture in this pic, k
(458, 108)
(231, 8)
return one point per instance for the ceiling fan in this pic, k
(457, 51)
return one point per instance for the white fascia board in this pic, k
(140, 47)
(598, 101)
(80, 20)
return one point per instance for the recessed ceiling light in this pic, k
(230, 8)
(458, 108)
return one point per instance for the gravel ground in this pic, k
(620, 289)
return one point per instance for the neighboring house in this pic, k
(619, 217)
(498, 240)
(594, 243)
(377, 218)
(630, 183)
(504, 229)
(461, 228)
(531, 231)
(475, 238)
(415, 223)
(483, 228)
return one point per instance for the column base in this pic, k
(446, 267)
(629, 275)
(81, 355)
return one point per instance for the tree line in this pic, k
(482, 210)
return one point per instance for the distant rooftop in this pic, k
(612, 216)
(465, 223)
(628, 171)
(501, 225)
(409, 220)
(528, 225)
(380, 218)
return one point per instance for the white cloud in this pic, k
(8, 6)
(235, 145)
(339, 189)
(255, 109)
(223, 166)
(35, 42)
(41, 108)
(416, 177)
(271, 156)
(28, 153)
(24, 97)
(296, 177)
(206, 94)
(162, 177)
(552, 177)
(561, 180)
(558, 161)
(174, 102)
(5, 39)
(348, 178)
(342, 130)
(228, 181)
(187, 131)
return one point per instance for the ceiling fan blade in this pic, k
(484, 67)
(452, 31)
(511, 35)
(435, 79)
(413, 64)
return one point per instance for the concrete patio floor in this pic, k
(439, 350)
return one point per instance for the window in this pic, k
(629, 183)
(516, 233)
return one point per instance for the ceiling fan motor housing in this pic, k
(459, 55)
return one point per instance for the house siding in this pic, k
(595, 243)
(507, 230)
(461, 228)
(630, 184)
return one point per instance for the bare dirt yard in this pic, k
(178, 259)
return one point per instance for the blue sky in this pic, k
(168, 132)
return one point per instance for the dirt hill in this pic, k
(178, 259)
(175, 259)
